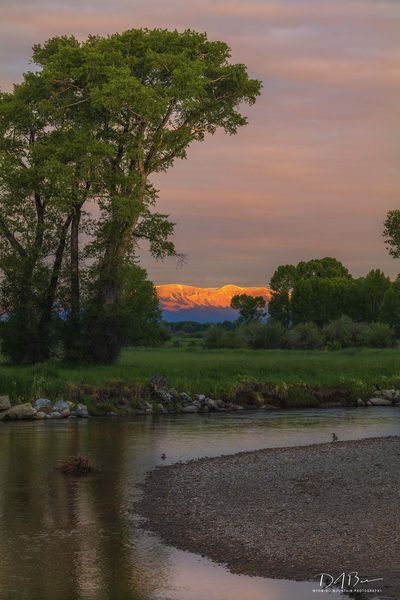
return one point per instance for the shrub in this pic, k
(343, 333)
(379, 335)
(305, 336)
(264, 335)
(217, 336)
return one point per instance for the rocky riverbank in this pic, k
(287, 513)
(157, 397)
(41, 409)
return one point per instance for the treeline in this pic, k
(320, 291)
(338, 334)
(316, 304)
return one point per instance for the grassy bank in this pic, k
(214, 372)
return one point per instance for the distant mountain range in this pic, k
(205, 305)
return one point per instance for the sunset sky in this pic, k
(316, 169)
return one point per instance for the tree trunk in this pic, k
(48, 304)
(104, 329)
(73, 340)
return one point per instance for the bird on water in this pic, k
(334, 437)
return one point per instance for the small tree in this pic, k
(391, 232)
(251, 308)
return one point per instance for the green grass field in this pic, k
(214, 371)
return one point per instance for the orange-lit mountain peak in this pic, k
(175, 297)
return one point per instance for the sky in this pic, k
(316, 169)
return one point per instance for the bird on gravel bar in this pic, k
(334, 437)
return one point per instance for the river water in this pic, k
(79, 539)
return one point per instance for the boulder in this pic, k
(360, 402)
(82, 411)
(60, 406)
(65, 413)
(21, 411)
(175, 395)
(55, 415)
(43, 405)
(185, 398)
(40, 415)
(212, 405)
(391, 394)
(2, 415)
(190, 408)
(380, 402)
(5, 403)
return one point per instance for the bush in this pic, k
(379, 335)
(269, 335)
(343, 333)
(217, 336)
(305, 336)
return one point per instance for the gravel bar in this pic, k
(287, 513)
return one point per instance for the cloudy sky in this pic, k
(316, 169)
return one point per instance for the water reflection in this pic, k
(68, 539)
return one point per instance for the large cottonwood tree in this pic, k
(133, 102)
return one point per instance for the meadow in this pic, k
(213, 372)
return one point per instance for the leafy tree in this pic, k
(286, 276)
(327, 268)
(281, 285)
(319, 300)
(146, 95)
(251, 308)
(38, 161)
(371, 293)
(390, 307)
(391, 233)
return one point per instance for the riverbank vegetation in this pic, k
(218, 373)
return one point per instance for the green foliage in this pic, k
(391, 233)
(298, 290)
(325, 268)
(378, 335)
(372, 290)
(390, 307)
(301, 397)
(217, 336)
(251, 308)
(322, 290)
(264, 336)
(304, 336)
(344, 333)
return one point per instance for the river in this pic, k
(79, 539)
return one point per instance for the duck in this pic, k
(163, 456)
(334, 437)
